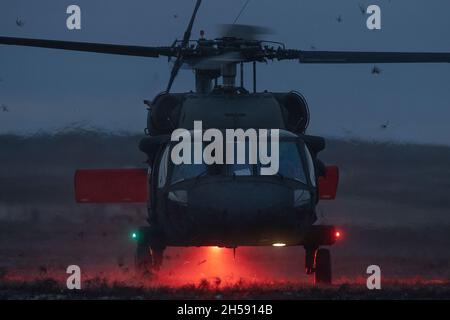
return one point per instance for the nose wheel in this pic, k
(148, 259)
(149, 252)
(322, 274)
(318, 260)
(318, 263)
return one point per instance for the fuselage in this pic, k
(236, 212)
(232, 205)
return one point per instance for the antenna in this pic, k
(242, 10)
(242, 74)
(254, 76)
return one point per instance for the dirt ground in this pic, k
(392, 208)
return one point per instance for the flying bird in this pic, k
(42, 270)
(339, 19)
(4, 108)
(376, 70)
(217, 281)
(385, 125)
(19, 23)
(175, 16)
(347, 131)
(201, 262)
(121, 262)
(362, 9)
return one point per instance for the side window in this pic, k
(162, 172)
(310, 166)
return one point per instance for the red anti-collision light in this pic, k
(337, 234)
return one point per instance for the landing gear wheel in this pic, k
(148, 259)
(322, 268)
(310, 253)
(157, 256)
(149, 252)
(143, 260)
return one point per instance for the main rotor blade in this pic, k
(187, 34)
(370, 57)
(137, 51)
(173, 74)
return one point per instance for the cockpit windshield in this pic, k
(188, 171)
(183, 171)
(290, 166)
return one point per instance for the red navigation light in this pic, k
(329, 183)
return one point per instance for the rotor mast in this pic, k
(229, 75)
(204, 78)
(228, 72)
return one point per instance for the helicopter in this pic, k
(226, 205)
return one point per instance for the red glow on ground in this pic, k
(220, 265)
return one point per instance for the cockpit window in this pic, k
(188, 171)
(290, 162)
(240, 167)
(291, 166)
(162, 172)
(312, 173)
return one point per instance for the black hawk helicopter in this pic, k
(200, 205)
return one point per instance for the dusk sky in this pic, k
(50, 89)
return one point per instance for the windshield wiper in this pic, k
(201, 174)
(280, 175)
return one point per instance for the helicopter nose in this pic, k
(233, 212)
(242, 205)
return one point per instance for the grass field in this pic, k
(393, 207)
